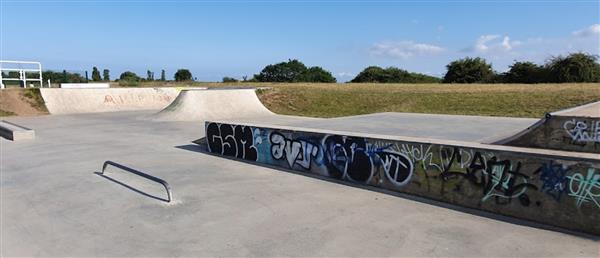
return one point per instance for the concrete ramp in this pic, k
(203, 105)
(71, 101)
(575, 129)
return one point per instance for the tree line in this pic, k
(127, 78)
(575, 67)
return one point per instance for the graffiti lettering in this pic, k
(296, 152)
(583, 131)
(231, 140)
(585, 189)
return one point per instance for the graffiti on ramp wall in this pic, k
(532, 187)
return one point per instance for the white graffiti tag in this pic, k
(581, 131)
(296, 152)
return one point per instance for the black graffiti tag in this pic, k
(229, 140)
(499, 179)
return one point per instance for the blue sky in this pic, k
(235, 38)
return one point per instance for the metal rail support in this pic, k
(139, 173)
(8, 66)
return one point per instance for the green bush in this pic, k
(576, 67)
(62, 77)
(469, 70)
(129, 79)
(317, 74)
(525, 72)
(293, 71)
(229, 79)
(376, 74)
(183, 75)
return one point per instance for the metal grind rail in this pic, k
(140, 173)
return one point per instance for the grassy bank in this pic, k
(333, 100)
(515, 100)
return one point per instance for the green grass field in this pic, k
(334, 100)
(514, 100)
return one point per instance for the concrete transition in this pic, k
(70, 101)
(552, 187)
(15, 132)
(203, 105)
(575, 129)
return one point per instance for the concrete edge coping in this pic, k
(568, 112)
(567, 155)
(15, 132)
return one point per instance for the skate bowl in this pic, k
(575, 129)
(204, 105)
(72, 101)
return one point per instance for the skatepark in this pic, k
(248, 182)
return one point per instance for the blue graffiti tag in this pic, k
(554, 178)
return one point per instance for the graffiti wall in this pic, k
(563, 192)
(563, 133)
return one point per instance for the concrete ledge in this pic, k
(557, 188)
(15, 132)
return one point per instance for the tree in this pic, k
(576, 67)
(469, 70)
(317, 74)
(229, 79)
(290, 71)
(183, 75)
(163, 77)
(293, 71)
(106, 75)
(62, 77)
(149, 75)
(96, 74)
(376, 74)
(129, 79)
(525, 72)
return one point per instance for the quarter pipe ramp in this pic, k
(203, 105)
(575, 129)
(71, 101)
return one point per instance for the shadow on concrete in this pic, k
(193, 147)
(131, 187)
(455, 207)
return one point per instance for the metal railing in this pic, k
(22, 72)
(140, 173)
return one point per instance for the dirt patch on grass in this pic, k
(21, 102)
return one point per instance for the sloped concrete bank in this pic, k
(575, 129)
(558, 188)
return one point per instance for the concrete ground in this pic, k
(481, 129)
(54, 204)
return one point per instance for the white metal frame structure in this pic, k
(17, 66)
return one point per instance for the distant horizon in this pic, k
(238, 38)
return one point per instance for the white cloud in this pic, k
(592, 30)
(493, 43)
(344, 74)
(404, 49)
(482, 41)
